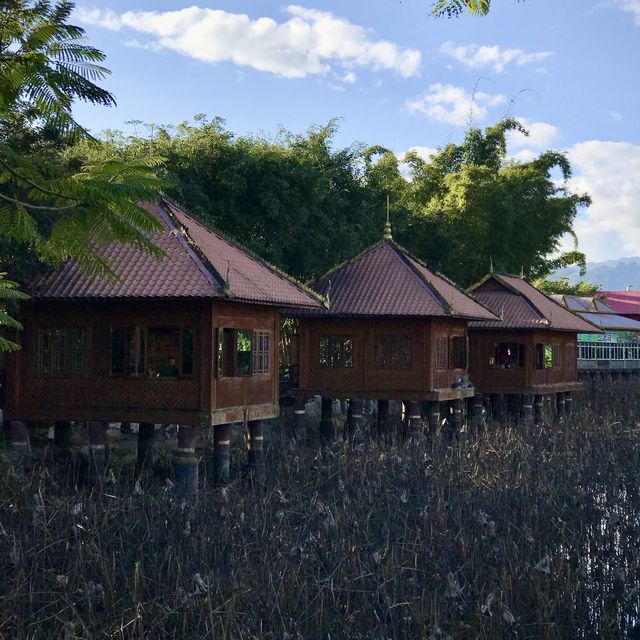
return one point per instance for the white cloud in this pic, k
(349, 78)
(632, 7)
(615, 115)
(608, 171)
(450, 104)
(541, 134)
(309, 42)
(474, 56)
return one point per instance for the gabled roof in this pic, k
(198, 263)
(521, 306)
(597, 312)
(384, 280)
(624, 302)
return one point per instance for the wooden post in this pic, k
(457, 416)
(560, 405)
(19, 442)
(299, 418)
(488, 407)
(221, 453)
(478, 408)
(539, 409)
(354, 417)
(383, 417)
(527, 409)
(568, 403)
(413, 416)
(144, 461)
(255, 449)
(326, 419)
(185, 463)
(97, 451)
(434, 416)
(62, 436)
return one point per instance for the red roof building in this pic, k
(624, 303)
(531, 349)
(190, 338)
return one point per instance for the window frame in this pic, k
(465, 352)
(520, 360)
(258, 352)
(342, 360)
(542, 351)
(393, 345)
(63, 358)
(442, 353)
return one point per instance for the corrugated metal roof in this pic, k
(522, 306)
(385, 280)
(198, 263)
(624, 302)
(610, 321)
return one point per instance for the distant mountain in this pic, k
(611, 275)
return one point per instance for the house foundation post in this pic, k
(457, 418)
(413, 416)
(538, 409)
(560, 405)
(326, 419)
(477, 411)
(527, 408)
(355, 419)
(221, 453)
(185, 463)
(255, 449)
(299, 418)
(434, 416)
(144, 460)
(19, 442)
(97, 451)
(568, 403)
(383, 417)
(62, 436)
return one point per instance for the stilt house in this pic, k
(393, 330)
(529, 351)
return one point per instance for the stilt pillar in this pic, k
(185, 463)
(568, 403)
(458, 406)
(539, 409)
(527, 408)
(326, 419)
(299, 418)
(477, 411)
(62, 436)
(355, 419)
(221, 453)
(413, 415)
(97, 450)
(19, 442)
(488, 407)
(560, 405)
(255, 449)
(144, 461)
(383, 417)
(434, 416)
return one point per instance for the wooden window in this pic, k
(157, 352)
(442, 352)
(336, 351)
(507, 355)
(392, 351)
(261, 352)
(61, 352)
(544, 356)
(458, 352)
(234, 352)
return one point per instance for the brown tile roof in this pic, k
(385, 280)
(198, 263)
(521, 306)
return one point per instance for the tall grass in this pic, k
(519, 532)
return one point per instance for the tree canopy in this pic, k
(454, 8)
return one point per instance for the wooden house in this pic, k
(189, 339)
(529, 352)
(393, 330)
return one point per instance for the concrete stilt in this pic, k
(477, 411)
(144, 461)
(255, 449)
(97, 450)
(185, 463)
(568, 403)
(538, 409)
(19, 442)
(527, 408)
(62, 436)
(413, 414)
(560, 405)
(355, 419)
(457, 418)
(326, 419)
(434, 416)
(299, 418)
(383, 417)
(221, 453)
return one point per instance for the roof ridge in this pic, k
(254, 256)
(193, 251)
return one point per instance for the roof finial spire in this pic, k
(490, 264)
(387, 226)
(522, 272)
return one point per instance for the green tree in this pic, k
(472, 205)
(564, 287)
(454, 8)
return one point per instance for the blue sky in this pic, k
(394, 76)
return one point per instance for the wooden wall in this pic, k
(363, 379)
(489, 379)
